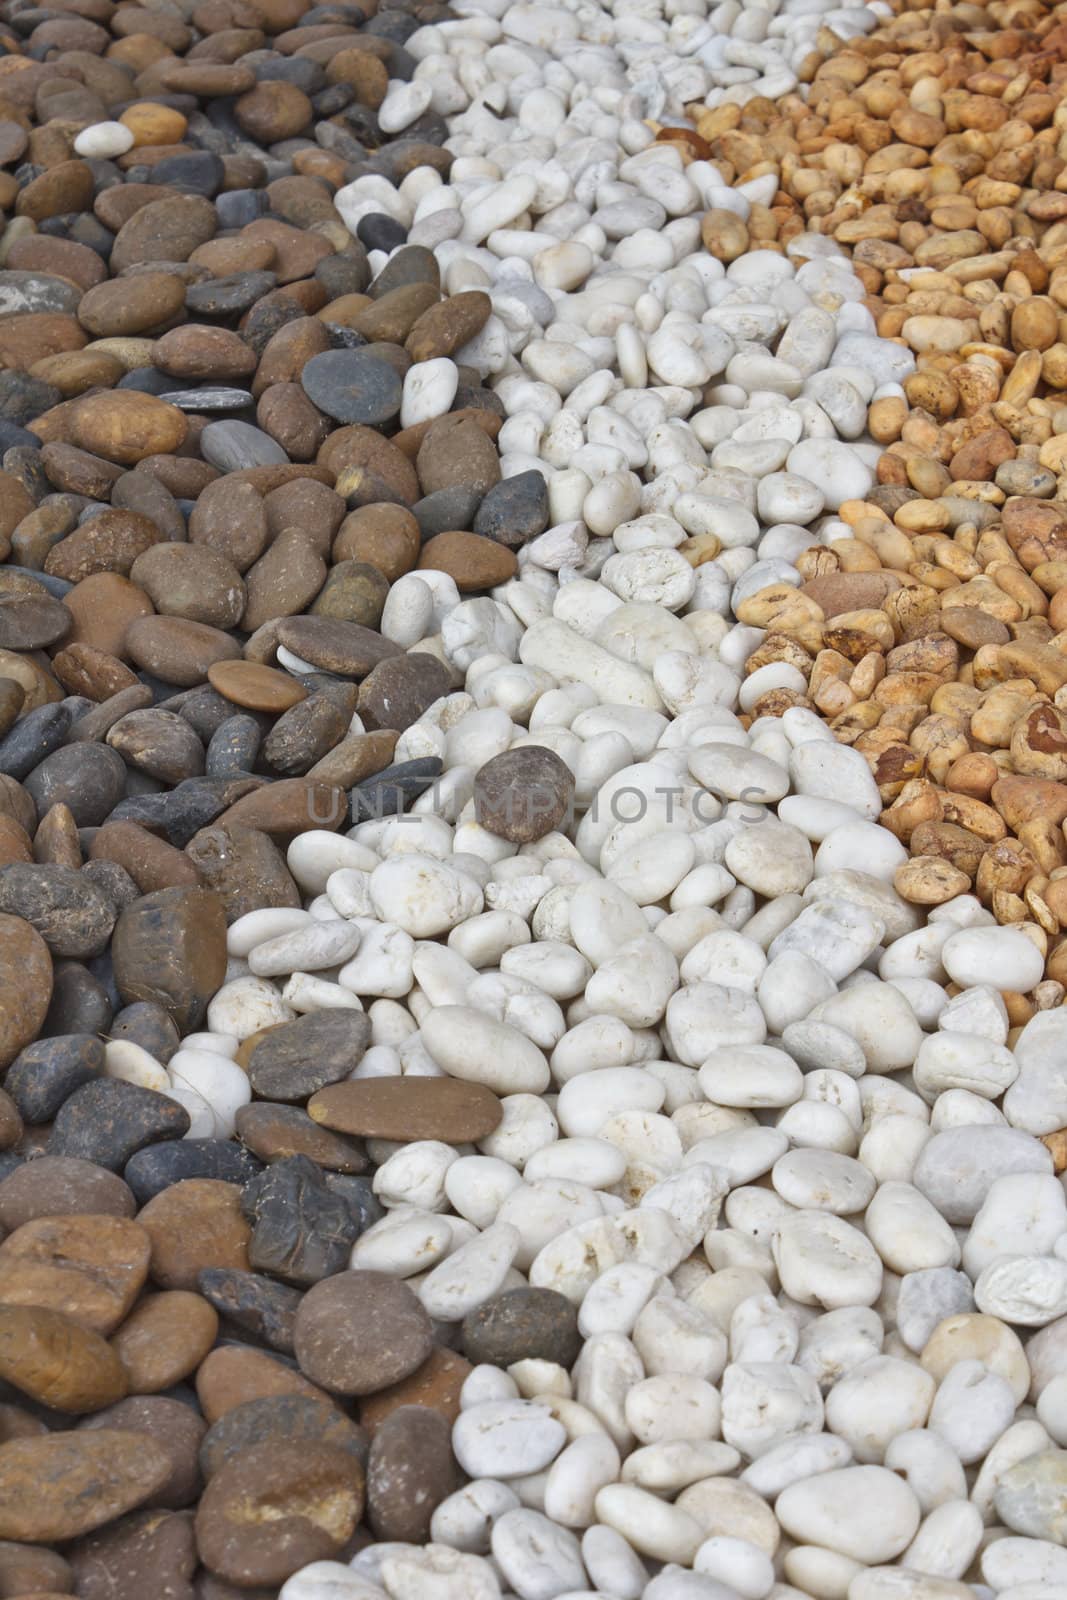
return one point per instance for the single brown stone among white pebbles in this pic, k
(405, 1109)
(523, 794)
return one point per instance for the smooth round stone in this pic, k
(62, 1186)
(275, 1131)
(358, 1332)
(233, 446)
(1029, 1498)
(174, 1426)
(353, 386)
(26, 981)
(88, 778)
(194, 1224)
(523, 794)
(506, 1438)
(834, 468)
(956, 1168)
(170, 948)
(90, 1270)
(295, 1060)
(866, 1513)
(165, 1339)
(72, 916)
(522, 1325)
(57, 1362)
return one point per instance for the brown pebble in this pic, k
(473, 561)
(266, 1514)
(151, 862)
(90, 1268)
(361, 1331)
(164, 1339)
(194, 1224)
(149, 1552)
(54, 1186)
(408, 1109)
(131, 305)
(122, 425)
(232, 1375)
(57, 1362)
(67, 1484)
(25, 985)
(435, 1385)
(177, 650)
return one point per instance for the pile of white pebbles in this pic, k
(796, 1191)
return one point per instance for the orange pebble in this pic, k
(152, 124)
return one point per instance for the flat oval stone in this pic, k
(89, 778)
(256, 687)
(333, 645)
(66, 1484)
(164, 1339)
(107, 1121)
(272, 1131)
(397, 692)
(148, 1552)
(90, 1268)
(406, 1109)
(361, 1331)
(57, 1362)
(32, 622)
(291, 1062)
(277, 1508)
(280, 1419)
(233, 1374)
(353, 386)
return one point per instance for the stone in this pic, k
(282, 1419)
(170, 1425)
(410, 1470)
(522, 1325)
(523, 794)
(234, 1374)
(301, 1231)
(47, 1072)
(397, 692)
(125, 427)
(276, 1509)
(57, 1361)
(257, 1305)
(178, 650)
(73, 917)
(90, 779)
(456, 450)
(107, 1121)
(243, 867)
(332, 645)
(474, 562)
(437, 1385)
(91, 1269)
(26, 981)
(272, 1132)
(159, 1166)
(353, 386)
(406, 1109)
(360, 1331)
(147, 1552)
(164, 1339)
(194, 1224)
(295, 1060)
(170, 948)
(55, 1186)
(91, 1478)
